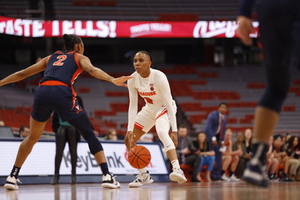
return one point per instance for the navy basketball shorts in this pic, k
(56, 98)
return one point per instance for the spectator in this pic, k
(294, 155)
(285, 140)
(111, 135)
(272, 162)
(205, 150)
(244, 158)
(185, 155)
(282, 157)
(230, 158)
(2, 123)
(215, 130)
(248, 141)
(23, 131)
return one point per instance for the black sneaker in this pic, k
(286, 178)
(255, 173)
(109, 181)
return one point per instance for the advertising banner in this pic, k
(120, 29)
(41, 160)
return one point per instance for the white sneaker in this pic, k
(11, 183)
(233, 178)
(141, 179)
(178, 175)
(109, 181)
(225, 177)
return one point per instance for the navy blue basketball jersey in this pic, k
(62, 66)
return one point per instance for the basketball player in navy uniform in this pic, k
(279, 27)
(56, 93)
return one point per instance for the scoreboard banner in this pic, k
(121, 29)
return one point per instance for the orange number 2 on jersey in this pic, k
(60, 60)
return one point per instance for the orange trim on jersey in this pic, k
(76, 60)
(138, 126)
(161, 114)
(51, 83)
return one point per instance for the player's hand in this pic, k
(214, 143)
(120, 81)
(174, 138)
(244, 29)
(131, 141)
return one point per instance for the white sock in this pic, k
(175, 164)
(143, 170)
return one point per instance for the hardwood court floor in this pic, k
(156, 191)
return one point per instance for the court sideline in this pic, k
(156, 191)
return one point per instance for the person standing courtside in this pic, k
(215, 130)
(279, 29)
(56, 93)
(65, 133)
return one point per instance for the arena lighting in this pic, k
(121, 29)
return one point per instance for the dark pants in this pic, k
(66, 134)
(194, 161)
(241, 167)
(217, 169)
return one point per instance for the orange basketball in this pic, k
(139, 157)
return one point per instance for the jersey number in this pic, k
(60, 60)
(148, 100)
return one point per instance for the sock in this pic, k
(142, 171)
(223, 172)
(175, 164)
(104, 168)
(15, 172)
(231, 173)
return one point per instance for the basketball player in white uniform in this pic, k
(160, 110)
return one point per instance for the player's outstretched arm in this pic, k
(24, 73)
(86, 65)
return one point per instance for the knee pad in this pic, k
(162, 128)
(166, 140)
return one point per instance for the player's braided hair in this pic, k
(70, 40)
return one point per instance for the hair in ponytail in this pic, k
(70, 40)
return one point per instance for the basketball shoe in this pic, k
(178, 175)
(11, 183)
(109, 181)
(255, 173)
(141, 179)
(233, 178)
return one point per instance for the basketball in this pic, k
(139, 157)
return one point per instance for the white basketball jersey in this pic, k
(156, 92)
